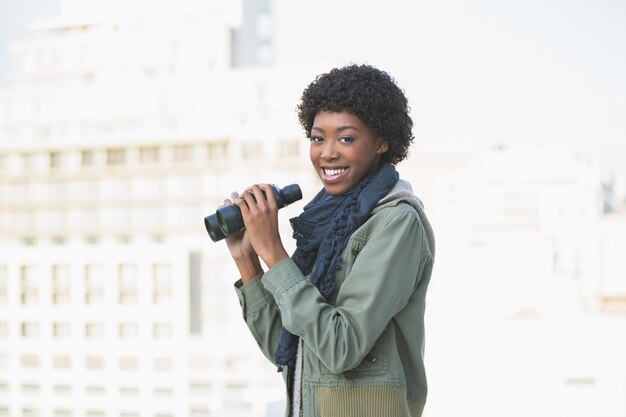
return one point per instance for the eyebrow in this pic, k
(339, 129)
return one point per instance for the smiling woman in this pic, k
(343, 317)
(344, 150)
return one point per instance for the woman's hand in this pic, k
(241, 250)
(260, 215)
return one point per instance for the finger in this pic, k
(243, 205)
(269, 194)
(261, 200)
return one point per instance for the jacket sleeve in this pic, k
(260, 314)
(380, 283)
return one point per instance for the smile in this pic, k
(331, 172)
(331, 175)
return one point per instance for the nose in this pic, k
(329, 151)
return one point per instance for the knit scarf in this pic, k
(322, 232)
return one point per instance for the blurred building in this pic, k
(524, 224)
(123, 125)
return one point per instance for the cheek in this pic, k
(312, 157)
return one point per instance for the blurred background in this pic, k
(124, 123)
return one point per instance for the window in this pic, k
(94, 330)
(4, 287)
(29, 163)
(288, 149)
(129, 363)
(127, 279)
(162, 283)
(94, 284)
(56, 160)
(94, 390)
(199, 412)
(29, 329)
(163, 391)
(129, 391)
(163, 364)
(128, 331)
(62, 389)
(149, 155)
(162, 331)
(200, 388)
(30, 388)
(116, 156)
(61, 330)
(251, 150)
(61, 284)
(182, 153)
(29, 291)
(86, 158)
(30, 412)
(217, 151)
(62, 362)
(29, 361)
(94, 362)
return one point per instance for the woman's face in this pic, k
(343, 150)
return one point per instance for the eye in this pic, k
(316, 139)
(346, 139)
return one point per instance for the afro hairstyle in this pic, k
(370, 94)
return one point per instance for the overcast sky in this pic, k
(541, 72)
(14, 18)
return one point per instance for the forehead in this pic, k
(341, 119)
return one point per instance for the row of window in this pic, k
(62, 330)
(88, 240)
(195, 388)
(63, 412)
(45, 219)
(50, 161)
(94, 284)
(126, 363)
(59, 161)
(135, 186)
(6, 411)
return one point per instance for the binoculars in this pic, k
(227, 219)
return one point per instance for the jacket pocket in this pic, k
(375, 363)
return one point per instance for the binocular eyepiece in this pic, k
(227, 219)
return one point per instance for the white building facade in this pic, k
(120, 130)
(124, 125)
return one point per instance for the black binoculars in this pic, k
(228, 220)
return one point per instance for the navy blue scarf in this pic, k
(322, 232)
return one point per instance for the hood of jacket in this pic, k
(402, 192)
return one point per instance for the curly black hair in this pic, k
(370, 94)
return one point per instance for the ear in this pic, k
(382, 146)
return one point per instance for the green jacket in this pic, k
(363, 349)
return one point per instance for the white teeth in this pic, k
(333, 172)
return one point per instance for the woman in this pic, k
(343, 318)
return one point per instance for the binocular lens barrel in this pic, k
(228, 220)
